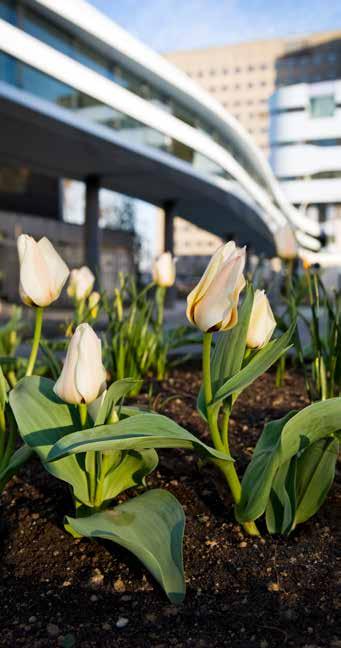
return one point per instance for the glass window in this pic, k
(87, 56)
(42, 29)
(322, 106)
(8, 11)
(7, 69)
(47, 88)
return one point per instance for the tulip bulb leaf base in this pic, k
(151, 526)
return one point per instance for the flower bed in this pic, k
(241, 591)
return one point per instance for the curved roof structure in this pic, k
(83, 84)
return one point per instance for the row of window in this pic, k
(320, 142)
(238, 86)
(322, 175)
(199, 74)
(314, 59)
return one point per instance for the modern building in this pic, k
(81, 99)
(305, 134)
(243, 77)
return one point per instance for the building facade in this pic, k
(81, 99)
(243, 77)
(305, 134)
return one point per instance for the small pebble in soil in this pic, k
(273, 587)
(122, 622)
(242, 545)
(52, 630)
(119, 585)
(32, 619)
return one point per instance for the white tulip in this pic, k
(213, 303)
(262, 322)
(164, 270)
(286, 243)
(43, 272)
(81, 283)
(82, 378)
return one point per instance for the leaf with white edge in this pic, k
(258, 364)
(18, 459)
(138, 432)
(151, 526)
(42, 419)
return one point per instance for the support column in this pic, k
(169, 208)
(169, 211)
(91, 227)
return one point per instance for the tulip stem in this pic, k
(83, 414)
(160, 302)
(36, 341)
(221, 442)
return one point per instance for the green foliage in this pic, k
(318, 313)
(137, 344)
(116, 453)
(292, 467)
(151, 526)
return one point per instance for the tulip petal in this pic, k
(58, 271)
(34, 275)
(223, 253)
(216, 305)
(90, 373)
(65, 387)
(262, 322)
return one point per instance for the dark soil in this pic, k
(241, 591)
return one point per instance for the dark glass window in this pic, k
(50, 34)
(47, 88)
(8, 11)
(7, 69)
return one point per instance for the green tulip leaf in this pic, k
(114, 394)
(129, 468)
(261, 362)
(229, 350)
(292, 467)
(301, 486)
(151, 526)
(138, 432)
(3, 390)
(18, 459)
(43, 419)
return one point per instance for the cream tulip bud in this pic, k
(286, 243)
(81, 283)
(164, 270)
(82, 378)
(93, 303)
(213, 303)
(43, 272)
(262, 322)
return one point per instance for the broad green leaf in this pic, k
(292, 466)
(230, 347)
(281, 507)
(138, 432)
(151, 526)
(18, 459)
(114, 394)
(260, 473)
(129, 469)
(260, 363)
(42, 419)
(315, 475)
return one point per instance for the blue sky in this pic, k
(185, 24)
